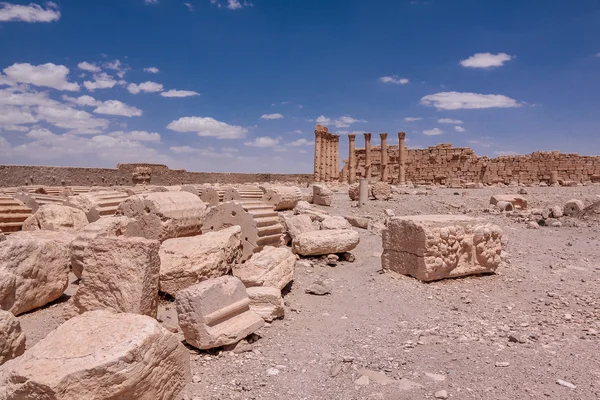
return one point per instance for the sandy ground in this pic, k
(511, 335)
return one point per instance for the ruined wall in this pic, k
(20, 175)
(445, 164)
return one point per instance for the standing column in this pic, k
(384, 157)
(351, 159)
(327, 158)
(336, 158)
(323, 156)
(401, 158)
(367, 156)
(317, 156)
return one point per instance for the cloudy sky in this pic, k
(234, 85)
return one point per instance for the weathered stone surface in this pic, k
(165, 215)
(97, 204)
(322, 195)
(335, 223)
(325, 242)
(34, 270)
(273, 266)
(516, 200)
(216, 312)
(107, 226)
(12, 338)
(187, 261)
(266, 302)
(297, 224)
(573, 207)
(381, 190)
(120, 274)
(358, 222)
(101, 355)
(53, 217)
(556, 212)
(282, 197)
(432, 247)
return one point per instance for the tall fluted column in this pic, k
(401, 158)
(384, 157)
(336, 158)
(323, 156)
(318, 136)
(327, 158)
(351, 159)
(367, 156)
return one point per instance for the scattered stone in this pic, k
(54, 217)
(523, 191)
(573, 208)
(318, 288)
(435, 377)
(441, 394)
(556, 224)
(516, 200)
(381, 190)
(358, 222)
(272, 371)
(12, 338)
(362, 381)
(332, 259)
(556, 212)
(297, 224)
(273, 266)
(533, 225)
(389, 212)
(331, 223)
(240, 347)
(282, 197)
(502, 364)
(348, 257)
(566, 384)
(375, 376)
(266, 302)
(325, 242)
(322, 195)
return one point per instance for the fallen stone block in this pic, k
(556, 212)
(101, 355)
(297, 224)
(325, 242)
(53, 217)
(216, 313)
(505, 206)
(432, 247)
(120, 274)
(516, 200)
(273, 266)
(97, 204)
(34, 270)
(187, 261)
(12, 338)
(330, 223)
(282, 197)
(322, 195)
(165, 215)
(358, 222)
(381, 190)
(266, 302)
(573, 208)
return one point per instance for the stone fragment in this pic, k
(441, 394)
(573, 208)
(325, 242)
(556, 212)
(330, 223)
(376, 376)
(353, 191)
(282, 197)
(97, 204)
(358, 222)
(332, 259)
(216, 312)
(504, 206)
(165, 215)
(322, 195)
(432, 247)
(120, 274)
(381, 190)
(12, 338)
(297, 224)
(273, 266)
(101, 355)
(12, 214)
(107, 226)
(516, 200)
(53, 217)
(187, 261)
(566, 384)
(533, 225)
(266, 302)
(34, 270)
(318, 288)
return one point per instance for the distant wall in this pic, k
(20, 175)
(445, 164)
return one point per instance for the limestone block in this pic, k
(100, 355)
(325, 242)
(353, 191)
(556, 211)
(381, 190)
(282, 197)
(573, 208)
(297, 224)
(432, 247)
(216, 313)
(187, 261)
(322, 195)
(120, 274)
(273, 266)
(97, 204)
(516, 200)
(266, 302)
(12, 338)
(335, 223)
(54, 217)
(34, 270)
(358, 222)
(12, 214)
(108, 226)
(165, 215)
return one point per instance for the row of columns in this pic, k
(326, 155)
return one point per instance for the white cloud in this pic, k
(461, 100)
(229, 149)
(189, 6)
(91, 67)
(179, 93)
(341, 122)
(82, 100)
(412, 119)
(11, 116)
(151, 70)
(263, 141)
(117, 66)
(486, 60)
(459, 128)
(506, 153)
(301, 142)
(151, 1)
(394, 79)
(323, 120)
(115, 107)
(449, 121)
(101, 81)
(48, 75)
(182, 149)
(233, 4)
(69, 118)
(148, 87)
(30, 13)
(206, 126)
(433, 132)
(138, 136)
(271, 116)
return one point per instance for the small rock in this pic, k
(362, 381)
(318, 288)
(533, 225)
(566, 384)
(348, 257)
(517, 339)
(332, 259)
(502, 364)
(335, 370)
(556, 224)
(272, 371)
(441, 394)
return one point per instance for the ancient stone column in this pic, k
(326, 157)
(384, 157)
(367, 155)
(401, 158)
(317, 156)
(351, 159)
(336, 158)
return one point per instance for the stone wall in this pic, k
(445, 164)
(21, 175)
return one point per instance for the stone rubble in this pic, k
(273, 266)
(12, 338)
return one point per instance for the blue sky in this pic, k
(233, 85)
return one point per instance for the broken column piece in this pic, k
(516, 200)
(282, 197)
(12, 214)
